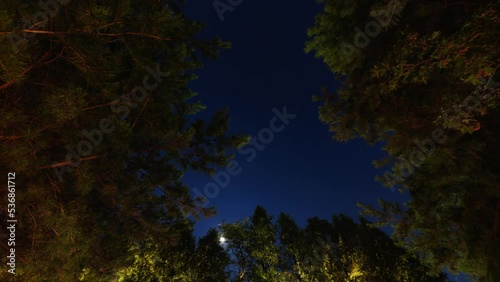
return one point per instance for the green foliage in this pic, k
(259, 248)
(437, 69)
(150, 262)
(336, 28)
(339, 250)
(80, 212)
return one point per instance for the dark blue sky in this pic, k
(302, 171)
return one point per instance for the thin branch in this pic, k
(34, 232)
(38, 63)
(98, 106)
(66, 163)
(495, 221)
(10, 138)
(109, 24)
(90, 33)
(142, 110)
(55, 231)
(54, 186)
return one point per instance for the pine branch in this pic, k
(495, 221)
(33, 248)
(98, 106)
(142, 111)
(38, 63)
(54, 186)
(10, 138)
(8, 33)
(66, 163)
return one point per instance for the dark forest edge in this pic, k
(421, 79)
(260, 248)
(99, 126)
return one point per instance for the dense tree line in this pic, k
(260, 248)
(420, 78)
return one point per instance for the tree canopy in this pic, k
(97, 122)
(424, 85)
(259, 248)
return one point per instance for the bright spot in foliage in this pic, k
(222, 240)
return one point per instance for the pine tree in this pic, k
(426, 89)
(97, 121)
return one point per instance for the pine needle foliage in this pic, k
(98, 123)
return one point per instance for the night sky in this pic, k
(302, 171)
